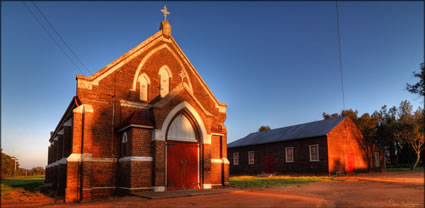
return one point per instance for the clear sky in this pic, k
(273, 63)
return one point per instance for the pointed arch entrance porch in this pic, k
(184, 133)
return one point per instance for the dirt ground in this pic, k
(395, 189)
(24, 198)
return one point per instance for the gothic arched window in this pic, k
(144, 81)
(165, 75)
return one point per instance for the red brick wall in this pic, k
(226, 173)
(216, 173)
(72, 182)
(100, 174)
(216, 147)
(141, 174)
(217, 153)
(140, 142)
(77, 133)
(124, 174)
(158, 163)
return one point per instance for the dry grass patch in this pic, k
(28, 183)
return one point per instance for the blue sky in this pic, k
(273, 63)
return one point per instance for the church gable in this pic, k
(146, 73)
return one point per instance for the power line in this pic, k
(54, 40)
(340, 56)
(63, 41)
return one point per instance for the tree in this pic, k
(350, 113)
(326, 116)
(8, 165)
(419, 115)
(37, 171)
(264, 128)
(416, 140)
(419, 87)
(368, 125)
(395, 129)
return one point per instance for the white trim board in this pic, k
(131, 104)
(135, 126)
(76, 157)
(135, 158)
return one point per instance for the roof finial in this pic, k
(165, 12)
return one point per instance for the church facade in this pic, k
(145, 122)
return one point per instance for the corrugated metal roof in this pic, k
(300, 131)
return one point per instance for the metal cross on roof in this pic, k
(165, 12)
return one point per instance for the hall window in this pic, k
(124, 146)
(314, 152)
(143, 85)
(289, 154)
(236, 158)
(251, 157)
(164, 78)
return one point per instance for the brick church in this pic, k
(145, 122)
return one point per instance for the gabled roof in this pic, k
(148, 44)
(300, 131)
(75, 102)
(142, 117)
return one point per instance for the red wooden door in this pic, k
(182, 165)
(350, 162)
(268, 163)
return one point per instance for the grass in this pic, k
(266, 182)
(29, 183)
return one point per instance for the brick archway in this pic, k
(204, 137)
(183, 152)
(201, 134)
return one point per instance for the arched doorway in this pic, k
(183, 150)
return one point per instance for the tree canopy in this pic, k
(264, 128)
(399, 130)
(419, 87)
(8, 167)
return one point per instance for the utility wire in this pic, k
(340, 56)
(57, 44)
(63, 41)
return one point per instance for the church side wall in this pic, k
(301, 164)
(348, 150)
